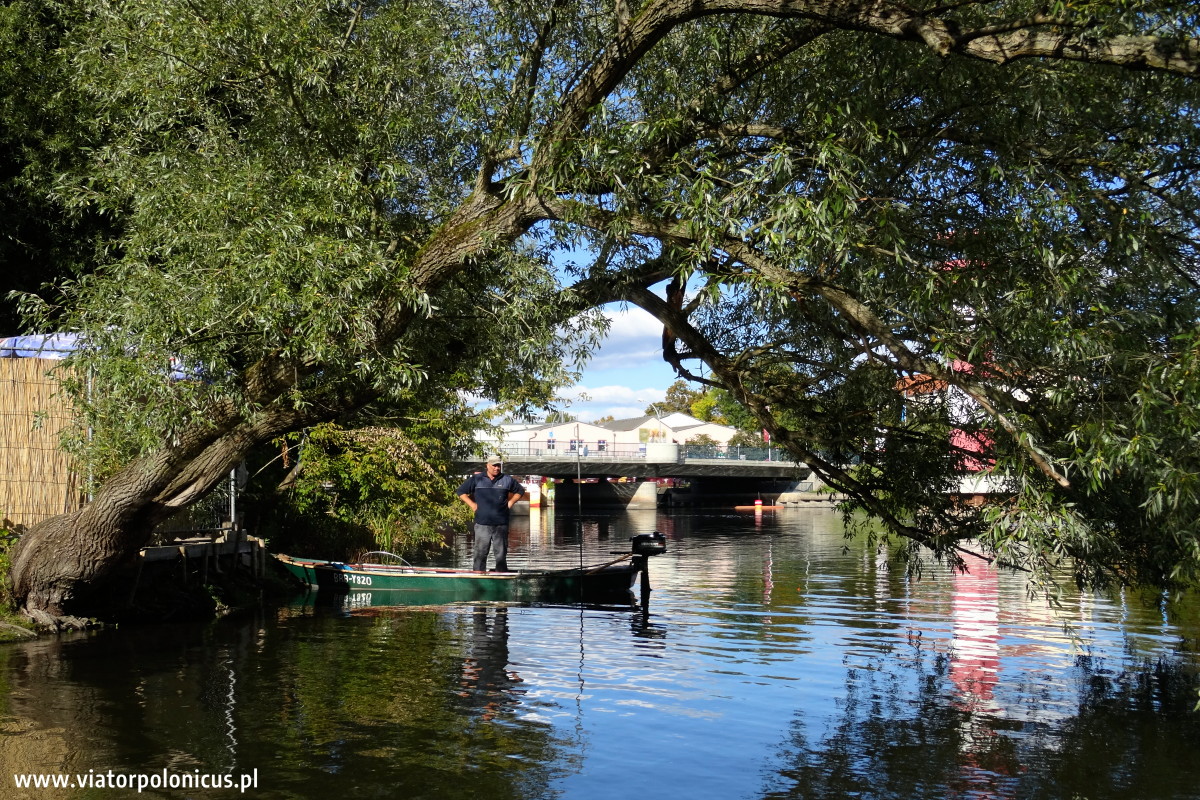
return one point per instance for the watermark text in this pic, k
(141, 781)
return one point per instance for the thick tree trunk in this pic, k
(65, 566)
(62, 562)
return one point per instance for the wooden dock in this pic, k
(219, 550)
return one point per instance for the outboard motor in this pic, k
(649, 544)
(643, 546)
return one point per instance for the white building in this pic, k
(549, 437)
(624, 435)
(686, 428)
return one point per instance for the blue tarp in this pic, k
(53, 345)
(61, 345)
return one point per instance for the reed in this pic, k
(37, 480)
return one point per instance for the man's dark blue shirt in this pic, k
(491, 496)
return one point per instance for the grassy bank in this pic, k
(13, 626)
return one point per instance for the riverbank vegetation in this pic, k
(13, 626)
(382, 487)
(911, 241)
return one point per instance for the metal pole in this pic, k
(233, 498)
(91, 432)
(579, 504)
(233, 526)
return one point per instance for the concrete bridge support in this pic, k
(728, 492)
(645, 496)
(606, 494)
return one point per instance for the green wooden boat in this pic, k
(389, 578)
(300, 568)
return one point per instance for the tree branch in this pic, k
(1000, 42)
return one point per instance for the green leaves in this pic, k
(1023, 239)
(390, 480)
(276, 169)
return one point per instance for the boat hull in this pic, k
(603, 583)
(302, 569)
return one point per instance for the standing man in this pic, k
(491, 495)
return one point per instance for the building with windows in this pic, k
(624, 435)
(548, 438)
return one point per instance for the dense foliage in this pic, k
(389, 481)
(324, 205)
(1022, 239)
(44, 132)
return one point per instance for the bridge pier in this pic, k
(645, 496)
(606, 494)
(729, 492)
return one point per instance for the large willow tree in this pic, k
(326, 204)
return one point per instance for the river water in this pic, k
(775, 659)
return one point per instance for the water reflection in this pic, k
(986, 765)
(488, 685)
(110, 706)
(888, 744)
(774, 660)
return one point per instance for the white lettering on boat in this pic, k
(351, 578)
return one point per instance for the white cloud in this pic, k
(616, 412)
(634, 339)
(615, 394)
(631, 322)
(626, 374)
(588, 403)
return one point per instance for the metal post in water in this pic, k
(233, 526)
(579, 500)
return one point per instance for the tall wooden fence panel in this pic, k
(36, 477)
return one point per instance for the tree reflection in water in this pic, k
(885, 748)
(323, 704)
(957, 739)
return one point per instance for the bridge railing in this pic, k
(624, 452)
(733, 452)
(518, 452)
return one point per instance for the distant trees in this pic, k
(702, 403)
(678, 398)
(744, 438)
(702, 440)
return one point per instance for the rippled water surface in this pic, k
(774, 660)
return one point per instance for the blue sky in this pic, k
(627, 373)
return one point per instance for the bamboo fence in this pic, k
(36, 477)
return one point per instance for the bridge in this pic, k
(651, 461)
(716, 474)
